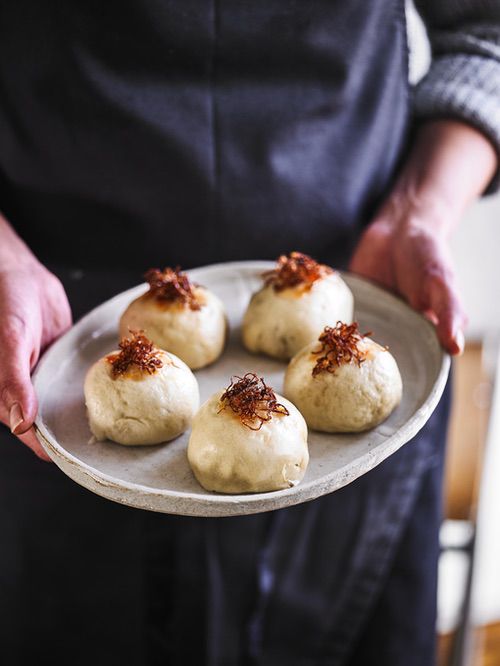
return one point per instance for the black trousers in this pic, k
(347, 579)
(83, 580)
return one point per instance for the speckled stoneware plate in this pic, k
(158, 478)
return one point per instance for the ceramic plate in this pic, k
(158, 478)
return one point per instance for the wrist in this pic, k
(14, 253)
(429, 212)
(451, 164)
(408, 209)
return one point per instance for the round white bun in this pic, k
(228, 457)
(353, 398)
(195, 336)
(141, 408)
(281, 323)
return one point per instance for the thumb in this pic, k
(18, 403)
(445, 302)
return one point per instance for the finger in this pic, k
(445, 302)
(31, 441)
(430, 315)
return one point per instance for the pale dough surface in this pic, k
(195, 336)
(139, 408)
(228, 457)
(281, 323)
(353, 398)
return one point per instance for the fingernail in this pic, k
(16, 418)
(460, 341)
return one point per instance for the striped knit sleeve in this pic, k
(463, 81)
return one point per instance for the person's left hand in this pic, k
(405, 248)
(411, 257)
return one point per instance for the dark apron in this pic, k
(138, 134)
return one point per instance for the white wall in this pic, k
(476, 250)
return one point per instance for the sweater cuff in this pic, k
(466, 88)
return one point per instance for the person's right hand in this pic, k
(34, 311)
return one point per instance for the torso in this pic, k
(144, 134)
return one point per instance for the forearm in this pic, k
(449, 165)
(405, 247)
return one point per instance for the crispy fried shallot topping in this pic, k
(136, 351)
(295, 269)
(339, 345)
(252, 400)
(171, 285)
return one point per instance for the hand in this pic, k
(34, 311)
(401, 253)
(405, 248)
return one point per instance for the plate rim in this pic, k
(241, 504)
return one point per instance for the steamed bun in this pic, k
(297, 300)
(244, 451)
(140, 394)
(185, 319)
(343, 383)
